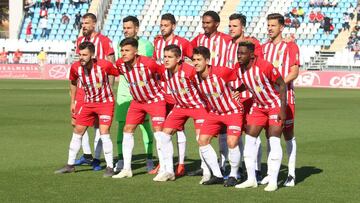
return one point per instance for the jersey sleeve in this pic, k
(73, 73)
(154, 49)
(187, 49)
(235, 84)
(118, 64)
(155, 67)
(258, 49)
(229, 75)
(294, 55)
(107, 46)
(194, 43)
(111, 69)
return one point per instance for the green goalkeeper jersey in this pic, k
(123, 94)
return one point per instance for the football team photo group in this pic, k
(232, 89)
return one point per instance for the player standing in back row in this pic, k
(285, 57)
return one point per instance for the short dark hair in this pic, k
(276, 16)
(90, 15)
(203, 51)
(129, 41)
(173, 48)
(240, 17)
(213, 15)
(248, 44)
(170, 17)
(87, 45)
(133, 19)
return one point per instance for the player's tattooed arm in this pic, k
(294, 72)
(282, 90)
(73, 85)
(111, 58)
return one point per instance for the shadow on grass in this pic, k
(302, 173)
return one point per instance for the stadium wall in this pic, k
(327, 79)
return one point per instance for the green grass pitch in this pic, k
(35, 134)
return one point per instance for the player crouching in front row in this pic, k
(99, 102)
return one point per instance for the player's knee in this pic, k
(157, 128)
(79, 130)
(129, 128)
(232, 143)
(288, 134)
(169, 131)
(204, 140)
(104, 131)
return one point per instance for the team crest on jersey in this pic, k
(98, 85)
(183, 80)
(214, 84)
(141, 72)
(213, 54)
(97, 75)
(276, 63)
(215, 94)
(279, 52)
(256, 77)
(183, 91)
(258, 89)
(141, 84)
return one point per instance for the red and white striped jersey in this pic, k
(103, 45)
(232, 60)
(217, 45)
(283, 56)
(143, 84)
(217, 92)
(260, 80)
(95, 82)
(182, 87)
(160, 44)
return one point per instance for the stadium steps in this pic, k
(342, 39)
(228, 9)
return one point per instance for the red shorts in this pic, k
(263, 117)
(137, 112)
(169, 99)
(214, 122)
(247, 104)
(169, 107)
(90, 111)
(177, 118)
(290, 116)
(79, 101)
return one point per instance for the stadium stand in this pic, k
(310, 36)
(187, 13)
(56, 30)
